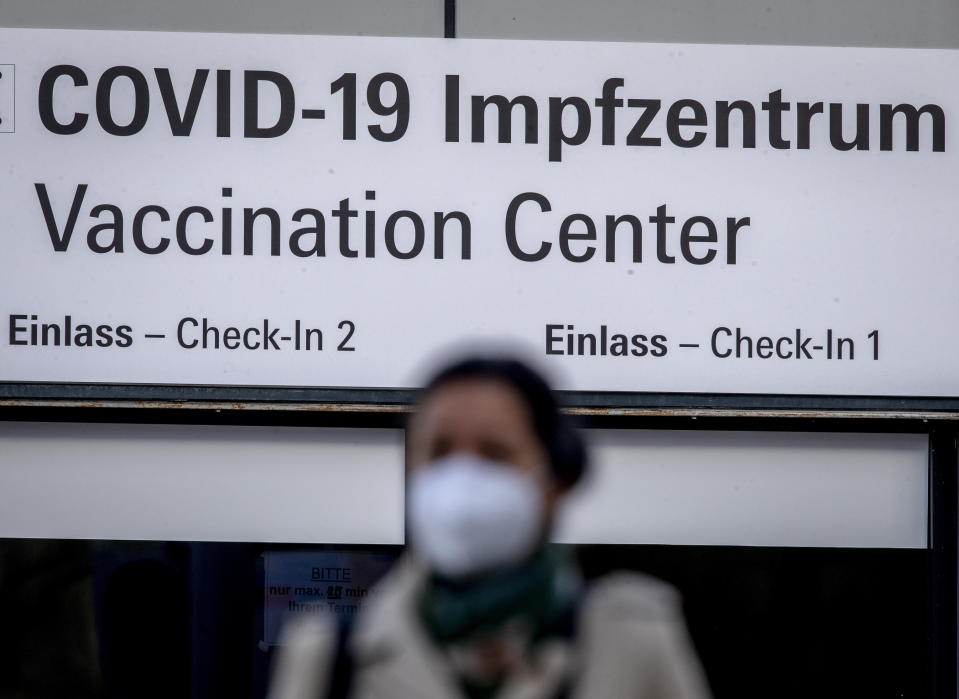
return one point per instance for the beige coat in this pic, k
(631, 643)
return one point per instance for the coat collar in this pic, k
(391, 640)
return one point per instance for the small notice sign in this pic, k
(338, 583)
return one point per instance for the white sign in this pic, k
(320, 211)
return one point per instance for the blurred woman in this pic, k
(482, 606)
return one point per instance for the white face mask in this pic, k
(468, 515)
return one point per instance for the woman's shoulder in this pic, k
(634, 635)
(628, 595)
(307, 646)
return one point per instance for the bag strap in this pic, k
(341, 670)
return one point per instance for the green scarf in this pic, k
(537, 591)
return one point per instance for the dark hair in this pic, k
(564, 446)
